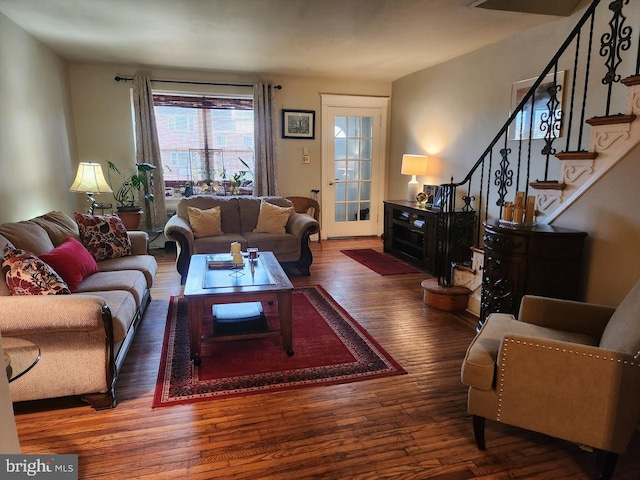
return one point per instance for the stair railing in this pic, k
(510, 160)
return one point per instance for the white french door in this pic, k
(353, 161)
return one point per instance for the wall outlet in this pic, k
(306, 159)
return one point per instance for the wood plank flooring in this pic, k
(412, 426)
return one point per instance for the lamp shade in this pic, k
(414, 164)
(90, 179)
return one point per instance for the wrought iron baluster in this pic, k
(612, 44)
(586, 81)
(551, 120)
(504, 176)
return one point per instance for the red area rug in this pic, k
(330, 347)
(379, 262)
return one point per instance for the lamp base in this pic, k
(412, 189)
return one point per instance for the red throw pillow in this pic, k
(26, 274)
(104, 236)
(71, 261)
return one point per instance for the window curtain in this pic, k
(148, 149)
(265, 140)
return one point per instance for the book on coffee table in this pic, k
(219, 260)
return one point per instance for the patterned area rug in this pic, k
(330, 347)
(379, 262)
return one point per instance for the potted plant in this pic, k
(127, 195)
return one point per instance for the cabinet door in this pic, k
(502, 283)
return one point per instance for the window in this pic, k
(206, 144)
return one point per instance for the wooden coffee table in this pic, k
(205, 287)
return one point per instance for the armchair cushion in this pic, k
(104, 236)
(478, 369)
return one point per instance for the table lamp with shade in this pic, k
(90, 180)
(413, 165)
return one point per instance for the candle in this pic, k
(530, 209)
(237, 258)
(235, 247)
(508, 211)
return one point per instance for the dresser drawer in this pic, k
(507, 244)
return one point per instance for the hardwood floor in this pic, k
(412, 426)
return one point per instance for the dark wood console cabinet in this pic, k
(540, 260)
(411, 232)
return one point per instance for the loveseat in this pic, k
(84, 335)
(239, 218)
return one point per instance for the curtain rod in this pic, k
(128, 79)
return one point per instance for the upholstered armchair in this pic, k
(563, 368)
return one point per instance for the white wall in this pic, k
(453, 110)
(36, 134)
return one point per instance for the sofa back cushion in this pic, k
(250, 210)
(229, 212)
(59, 226)
(622, 332)
(27, 236)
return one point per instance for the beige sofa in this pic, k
(239, 217)
(83, 336)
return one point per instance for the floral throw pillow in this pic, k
(104, 236)
(26, 274)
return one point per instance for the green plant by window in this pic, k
(141, 179)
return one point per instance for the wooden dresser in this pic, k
(540, 260)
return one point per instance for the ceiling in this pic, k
(359, 39)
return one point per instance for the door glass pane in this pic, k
(341, 127)
(340, 170)
(341, 148)
(354, 148)
(352, 164)
(365, 170)
(365, 148)
(363, 214)
(367, 127)
(365, 190)
(352, 212)
(354, 127)
(352, 191)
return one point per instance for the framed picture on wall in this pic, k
(536, 112)
(298, 123)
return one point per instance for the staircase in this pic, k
(600, 61)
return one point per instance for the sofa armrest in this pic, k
(23, 315)
(139, 242)
(179, 231)
(299, 223)
(544, 383)
(571, 316)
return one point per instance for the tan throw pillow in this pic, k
(205, 223)
(272, 219)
